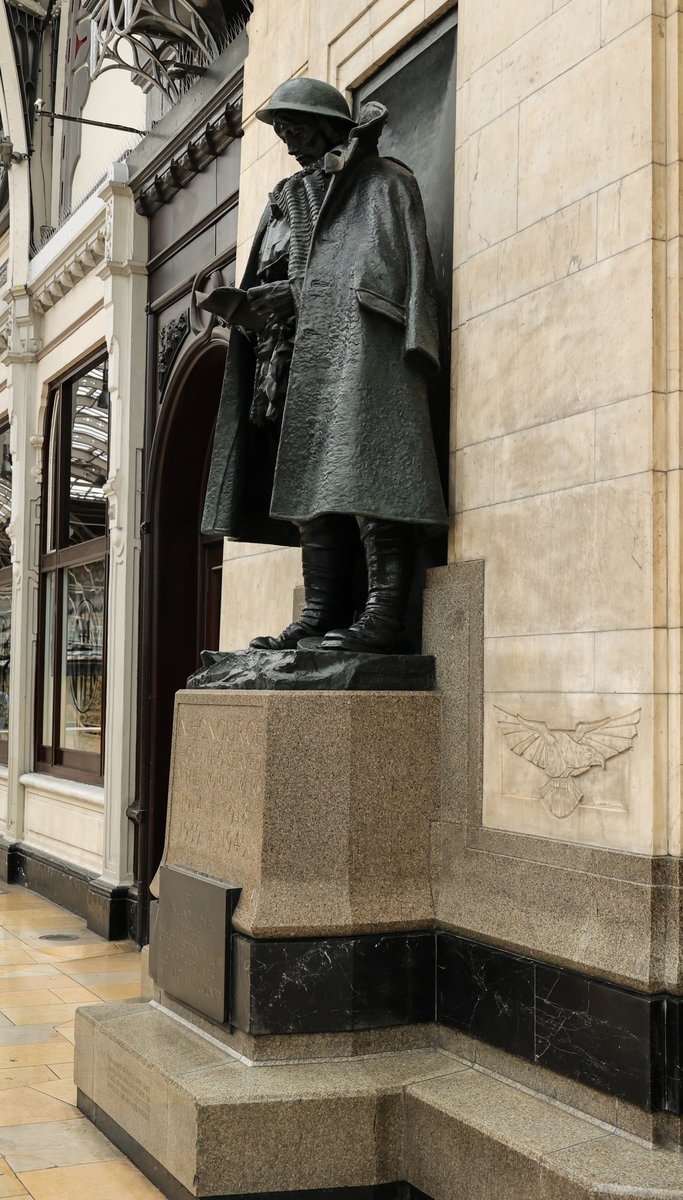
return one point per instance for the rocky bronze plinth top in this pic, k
(310, 669)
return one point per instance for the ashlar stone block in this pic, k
(587, 128)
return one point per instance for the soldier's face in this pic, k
(304, 137)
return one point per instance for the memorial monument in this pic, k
(307, 1026)
(295, 911)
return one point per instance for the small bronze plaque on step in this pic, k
(191, 952)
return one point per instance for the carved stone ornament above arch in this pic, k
(192, 327)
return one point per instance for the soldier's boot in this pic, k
(390, 557)
(328, 550)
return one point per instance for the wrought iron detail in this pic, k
(171, 338)
(27, 36)
(163, 42)
(199, 153)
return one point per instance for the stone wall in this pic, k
(566, 486)
(560, 437)
(257, 591)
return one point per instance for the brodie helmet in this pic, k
(309, 96)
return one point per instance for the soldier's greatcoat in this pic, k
(356, 435)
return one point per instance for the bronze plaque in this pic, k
(192, 940)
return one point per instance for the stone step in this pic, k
(473, 1136)
(200, 1121)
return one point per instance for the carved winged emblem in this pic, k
(563, 754)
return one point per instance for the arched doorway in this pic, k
(180, 593)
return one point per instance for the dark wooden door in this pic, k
(181, 581)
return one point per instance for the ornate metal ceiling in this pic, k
(27, 29)
(165, 42)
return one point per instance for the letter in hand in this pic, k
(232, 305)
(274, 301)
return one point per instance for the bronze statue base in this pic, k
(309, 668)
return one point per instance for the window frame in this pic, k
(78, 765)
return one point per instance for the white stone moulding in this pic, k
(71, 254)
(64, 819)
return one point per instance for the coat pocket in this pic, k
(374, 302)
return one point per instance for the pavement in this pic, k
(50, 965)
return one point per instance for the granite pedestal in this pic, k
(305, 1029)
(317, 806)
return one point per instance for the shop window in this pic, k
(73, 578)
(5, 585)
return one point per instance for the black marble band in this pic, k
(611, 1038)
(333, 985)
(619, 1041)
(104, 908)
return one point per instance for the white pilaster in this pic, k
(23, 345)
(123, 273)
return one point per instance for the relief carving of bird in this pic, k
(562, 753)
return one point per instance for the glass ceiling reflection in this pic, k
(89, 455)
(90, 436)
(5, 498)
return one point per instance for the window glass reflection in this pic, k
(48, 659)
(89, 456)
(5, 640)
(49, 492)
(82, 643)
(5, 498)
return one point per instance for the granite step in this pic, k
(201, 1121)
(473, 1136)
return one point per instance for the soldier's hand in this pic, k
(272, 300)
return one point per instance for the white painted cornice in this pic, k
(71, 253)
(92, 237)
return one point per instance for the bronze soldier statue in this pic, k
(324, 419)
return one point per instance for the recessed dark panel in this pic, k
(184, 265)
(226, 231)
(191, 204)
(191, 940)
(228, 171)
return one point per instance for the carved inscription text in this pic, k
(126, 1087)
(216, 789)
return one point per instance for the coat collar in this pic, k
(363, 138)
